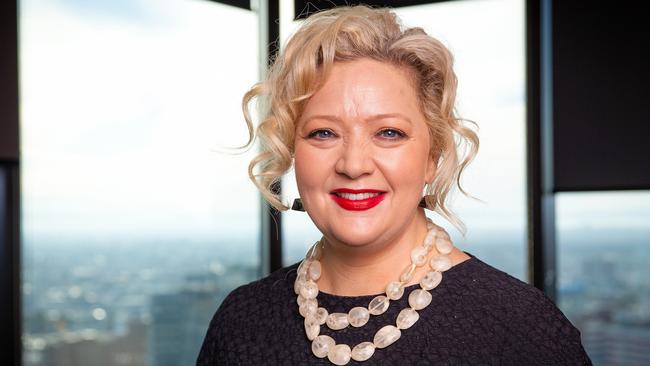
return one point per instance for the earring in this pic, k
(423, 203)
(297, 205)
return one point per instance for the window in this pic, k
(135, 223)
(603, 241)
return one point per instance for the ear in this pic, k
(431, 168)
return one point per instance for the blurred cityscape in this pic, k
(138, 303)
(145, 303)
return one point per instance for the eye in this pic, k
(391, 134)
(321, 134)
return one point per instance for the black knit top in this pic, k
(478, 316)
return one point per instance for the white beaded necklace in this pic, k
(305, 287)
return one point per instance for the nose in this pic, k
(355, 158)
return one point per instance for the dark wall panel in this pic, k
(244, 4)
(601, 96)
(9, 194)
(8, 82)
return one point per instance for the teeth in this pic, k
(356, 196)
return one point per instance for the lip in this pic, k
(364, 190)
(357, 205)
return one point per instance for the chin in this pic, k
(351, 228)
(355, 236)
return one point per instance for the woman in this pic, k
(364, 111)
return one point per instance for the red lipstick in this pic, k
(357, 205)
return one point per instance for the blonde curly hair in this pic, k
(349, 33)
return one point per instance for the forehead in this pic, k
(364, 87)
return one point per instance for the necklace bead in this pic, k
(300, 300)
(312, 328)
(406, 318)
(309, 306)
(408, 273)
(429, 239)
(386, 336)
(309, 290)
(298, 285)
(314, 270)
(321, 345)
(441, 234)
(419, 255)
(431, 280)
(321, 315)
(363, 351)
(358, 316)
(444, 246)
(302, 268)
(340, 354)
(419, 299)
(315, 251)
(441, 263)
(395, 290)
(378, 305)
(337, 321)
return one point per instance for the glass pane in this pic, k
(298, 231)
(135, 223)
(603, 242)
(490, 65)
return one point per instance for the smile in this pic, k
(357, 199)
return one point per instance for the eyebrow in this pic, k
(369, 119)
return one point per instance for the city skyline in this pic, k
(95, 301)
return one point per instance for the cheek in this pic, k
(311, 167)
(405, 169)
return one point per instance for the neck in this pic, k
(366, 270)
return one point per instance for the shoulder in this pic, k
(483, 286)
(498, 288)
(534, 329)
(246, 314)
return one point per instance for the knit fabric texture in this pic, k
(479, 316)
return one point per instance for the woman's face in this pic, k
(362, 153)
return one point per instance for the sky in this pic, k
(126, 106)
(123, 110)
